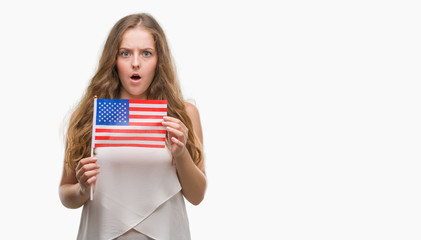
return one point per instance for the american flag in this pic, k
(129, 123)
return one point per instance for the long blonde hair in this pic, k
(106, 84)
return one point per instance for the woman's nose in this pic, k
(135, 61)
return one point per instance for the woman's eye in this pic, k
(125, 54)
(147, 54)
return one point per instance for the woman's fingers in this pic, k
(89, 176)
(176, 129)
(174, 123)
(87, 170)
(175, 132)
(86, 161)
(177, 142)
(172, 119)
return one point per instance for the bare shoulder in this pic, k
(191, 110)
(193, 113)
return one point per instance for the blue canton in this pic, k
(112, 112)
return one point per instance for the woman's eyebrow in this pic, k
(143, 49)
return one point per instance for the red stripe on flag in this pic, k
(130, 145)
(147, 116)
(147, 109)
(148, 101)
(128, 131)
(145, 124)
(160, 139)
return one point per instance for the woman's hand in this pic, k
(177, 134)
(86, 173)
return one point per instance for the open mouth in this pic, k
(135, 77)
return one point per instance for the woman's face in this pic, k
(136, 63)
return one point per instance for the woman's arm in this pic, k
(75, 186)
(192, 177)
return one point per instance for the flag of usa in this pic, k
(129, 123)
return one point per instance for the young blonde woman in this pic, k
(140, 191)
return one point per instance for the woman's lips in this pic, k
(135, 78)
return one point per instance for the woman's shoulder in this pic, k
(191, 109)
(193, 113)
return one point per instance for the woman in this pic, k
(139, 193)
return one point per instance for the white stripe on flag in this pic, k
(160, 135)
(148, 105)
(129, 142)
(145, 120)
(131, 127)
(147, 113)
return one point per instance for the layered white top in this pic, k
(137, 188)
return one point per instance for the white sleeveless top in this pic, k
(137, 191)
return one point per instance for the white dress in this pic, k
(137, 193)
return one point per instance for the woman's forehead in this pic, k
(137, 38)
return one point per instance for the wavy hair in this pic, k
(106, 84)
